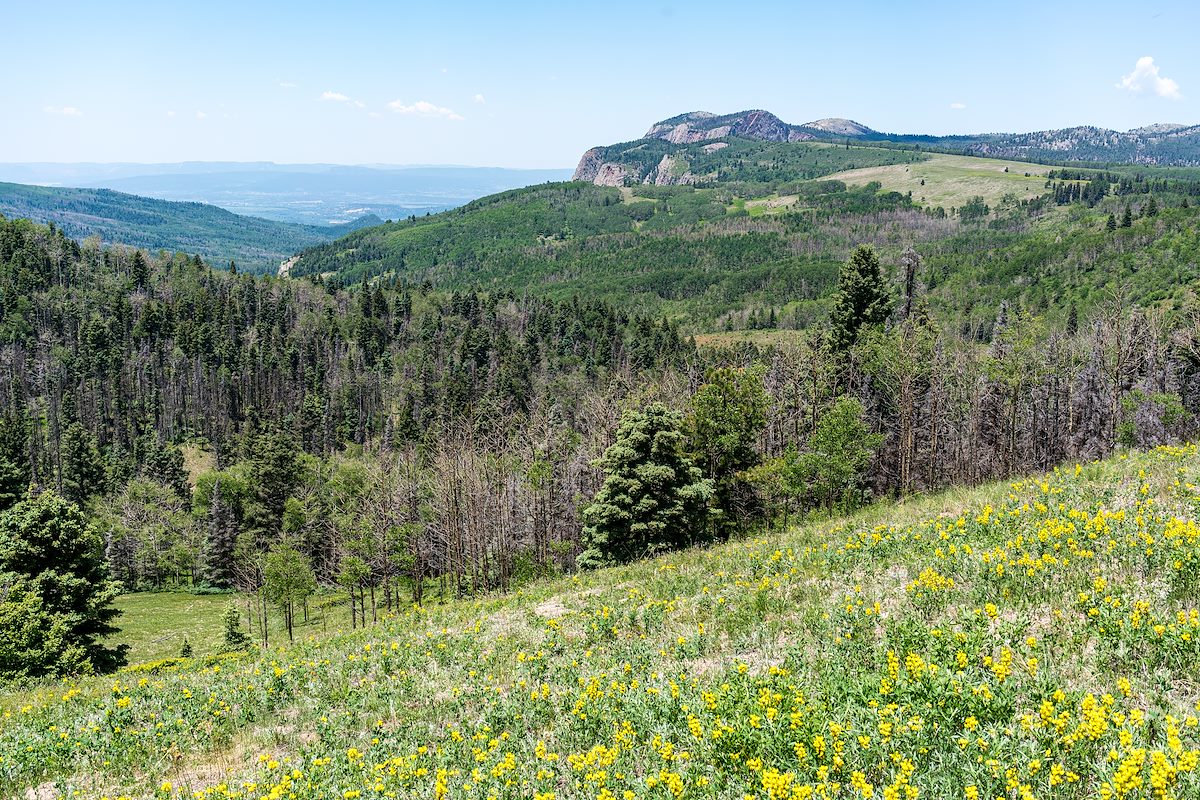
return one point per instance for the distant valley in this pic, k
(216, 235)
(313, 194)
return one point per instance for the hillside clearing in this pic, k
(951, 181)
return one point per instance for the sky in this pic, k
(534, 84)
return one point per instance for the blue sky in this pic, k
(533, 84)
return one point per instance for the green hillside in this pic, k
(718, 256)
(1037, 638)
(217, 235)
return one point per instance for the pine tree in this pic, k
(81, 468)
(653, 498)
(862, 299)
(1110, 224)
(1127, 218)
(140, 270)
(1151, 209)
(14, 463)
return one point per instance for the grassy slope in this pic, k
(950, 181)
(256, 244)
(1036, 637)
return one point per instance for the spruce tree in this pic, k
(57, 599)
(220, 541)
(81, 468)
(862, 299)
(1127, 218)
(1110, 224)
(653, 498)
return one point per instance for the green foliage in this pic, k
(840, 449)
(728, 414)
(653, 499)
(152, 539)
(862, 299)
(288, 580)
(82, 472)
(57, 598)
(233, 638)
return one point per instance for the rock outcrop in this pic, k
(589, 165)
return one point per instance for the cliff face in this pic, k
(589, 165)
(699, 126)
(604, 167)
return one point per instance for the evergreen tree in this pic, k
(653, 498)
(1151, 209)
(57, 597)
(14, 463)
(220, 540)
(81, 468)
(1110, 224)
(1127, 218)
(862, 299)
(140, 270)
(163, 462)
(274, 461)
(232, 636)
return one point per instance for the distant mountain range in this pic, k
(314, 194)
(217, 235)
(658, 157)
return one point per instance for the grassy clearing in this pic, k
(1037, 638)
(951, 181)
(762, 338)
(154, 624)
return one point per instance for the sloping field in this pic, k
(1034, 639)
(951, 181)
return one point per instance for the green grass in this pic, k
(950, 181)
(1022, 638)
(154, 624)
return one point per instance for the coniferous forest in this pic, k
(404, 439)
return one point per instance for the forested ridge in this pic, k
(219, 236)
(717, 258)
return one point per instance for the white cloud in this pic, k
(1145, 77)
(423, 108)
(958, 106)
(287, 85)
(63, 111)
(200, 115)
(479, 99)
(375, 114)
(171, 114)
(335, 96)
